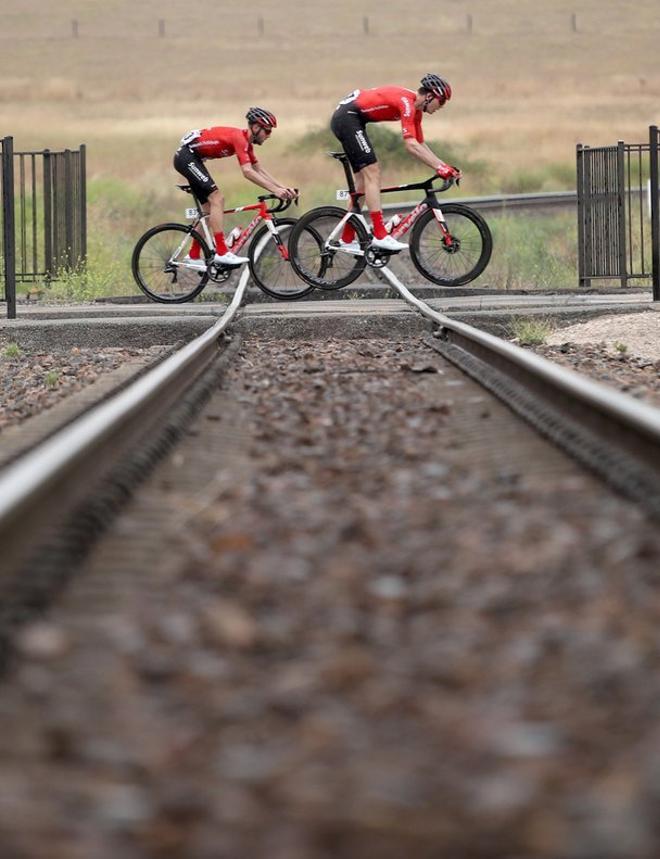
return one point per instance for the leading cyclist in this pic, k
(220, 142)
(385, 104)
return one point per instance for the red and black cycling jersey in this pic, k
(220, 142)
(388, 103)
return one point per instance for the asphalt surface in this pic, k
(134, 324)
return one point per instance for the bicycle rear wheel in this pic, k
(270, 271)
(315, 250)
(158, 266)
(458, 258)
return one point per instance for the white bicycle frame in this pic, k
(400, 229)
(203, 220)
(240, 240)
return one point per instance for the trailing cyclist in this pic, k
(203, 144)
(386, 104)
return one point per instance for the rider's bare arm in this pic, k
(256, 173)
(291, 191)
(423, 153)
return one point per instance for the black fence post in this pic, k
(161, 28)
(260, 26)
(74, 29)
(69, 248)
(621, 207)
(48, 216)
(468, 23)
(8, 225)
(655, 211)
(579, 160)
(82, 166)
(365, 26)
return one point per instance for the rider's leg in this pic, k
(348, 233)
(195, 247)
(216, 220)
(370, 176)
(216, 204)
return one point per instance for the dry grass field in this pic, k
(527, 86)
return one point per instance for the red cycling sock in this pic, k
(195, 250)
(379, 227)
(348, 233)
(220, 244)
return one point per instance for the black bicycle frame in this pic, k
(426, 186)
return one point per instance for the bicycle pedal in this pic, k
(378, 258)
(219, 274)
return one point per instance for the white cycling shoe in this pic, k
(350, 247)
(229, 259)
(197, 264)
(389, 244)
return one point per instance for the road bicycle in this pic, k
(450, 245)
(163, 270)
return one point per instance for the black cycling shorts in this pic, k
(349, 128)
(190, 165)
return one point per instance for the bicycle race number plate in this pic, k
(191, 213)
(342, 195)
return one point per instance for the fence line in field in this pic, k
(467, 24)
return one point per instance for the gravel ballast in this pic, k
(31, 381)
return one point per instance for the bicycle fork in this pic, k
(277, 238)
(452, 244)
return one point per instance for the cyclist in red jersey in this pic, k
(220, 142)
(385, 104)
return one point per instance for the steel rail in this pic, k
(613, 417)
(503, 202)
(51, 478)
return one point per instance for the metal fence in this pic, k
(617, 196)
(44, 215)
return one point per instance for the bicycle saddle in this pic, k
(185, 188)
(340, 156)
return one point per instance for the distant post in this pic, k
(260, 26)
(161, 28)
(574, 22)
(74, 29)
(468, 24)
(8, 225)
(655, 211)
(365, 26)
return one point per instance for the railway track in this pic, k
(611, 433)
(355, 554)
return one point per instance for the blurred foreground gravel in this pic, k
(360, 611)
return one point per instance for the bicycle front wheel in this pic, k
(159, 267)
(456, 258)
(315, 251)
(270, 271)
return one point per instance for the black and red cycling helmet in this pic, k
(437, 86)
(262, 117)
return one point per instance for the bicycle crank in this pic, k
(220, 273)
(378, 258)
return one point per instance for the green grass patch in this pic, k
(12, 350)
(532, 252)
(527, 331)
(52, 378)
